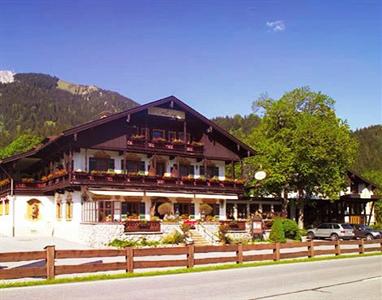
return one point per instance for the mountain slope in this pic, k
(44, 105)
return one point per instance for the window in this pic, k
(58, 210)
(131, 210)
(69, 210)
(171, 135)
(212, 171)
(158, 133)
(323, 226)
(133, 166)
(6, 208)
(89, 211)
(161, 168)
(187, 209)
(186, 170)
(336, 226)
(277, 208)
(105, 211)
(101, 164)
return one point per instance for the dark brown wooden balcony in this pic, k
(139, 143)
(113, 180)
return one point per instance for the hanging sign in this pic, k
(166, 112)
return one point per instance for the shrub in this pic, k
(291, 230)
(277, 231)
(222, 234)
(123, 243)
(174, 237)
(185, 228)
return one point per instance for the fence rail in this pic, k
(187, 256)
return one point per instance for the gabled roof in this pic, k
(175, 100)
(98, 122)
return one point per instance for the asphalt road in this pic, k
(356, 278)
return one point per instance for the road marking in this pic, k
(318, 289)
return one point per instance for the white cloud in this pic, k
(276, 26)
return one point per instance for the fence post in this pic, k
(190, 256)
(337, 247)
(50, 257)
(361, 246)
(311, 249)
(129, 260)
(239, 254)
(276, 251)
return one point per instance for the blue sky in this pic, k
(218, 56)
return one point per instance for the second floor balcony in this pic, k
(62, 179)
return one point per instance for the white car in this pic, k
(333, 231)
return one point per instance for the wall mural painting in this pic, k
(34, 210)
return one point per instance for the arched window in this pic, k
(69, 209)
(34, 209)
(6, 208)
(58, 209)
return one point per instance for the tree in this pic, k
(303, 147)
(21, 144)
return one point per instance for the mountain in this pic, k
(44, 105)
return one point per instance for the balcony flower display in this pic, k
(169, 178)
(197, 144)
(27, 180)
(214, 180)
(4, 182)
(201, 179)
(177, 142)
(239, 181)
(159, 140)
(138, 137)
(188, 179)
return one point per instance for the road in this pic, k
(356, 278)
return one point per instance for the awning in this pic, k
(218, 196)
(172, 195)
(117, 193)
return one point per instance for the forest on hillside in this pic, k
(35, 104)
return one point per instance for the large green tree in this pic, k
(302, 145)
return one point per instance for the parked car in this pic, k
(365, 232)
(333, 231)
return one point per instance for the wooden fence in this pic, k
(189, 256)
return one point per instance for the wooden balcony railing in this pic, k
(141, 143)
(50, 183)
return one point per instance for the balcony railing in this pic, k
(64, 179)
(140, 142)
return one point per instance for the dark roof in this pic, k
(353, 174)
(98, 122)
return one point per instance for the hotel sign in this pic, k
(166, 112)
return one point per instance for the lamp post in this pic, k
(259, 175)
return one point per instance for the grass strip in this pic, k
(175, 271)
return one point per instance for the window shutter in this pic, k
(142, 166)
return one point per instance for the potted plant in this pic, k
(229, 181)
(169, 178)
